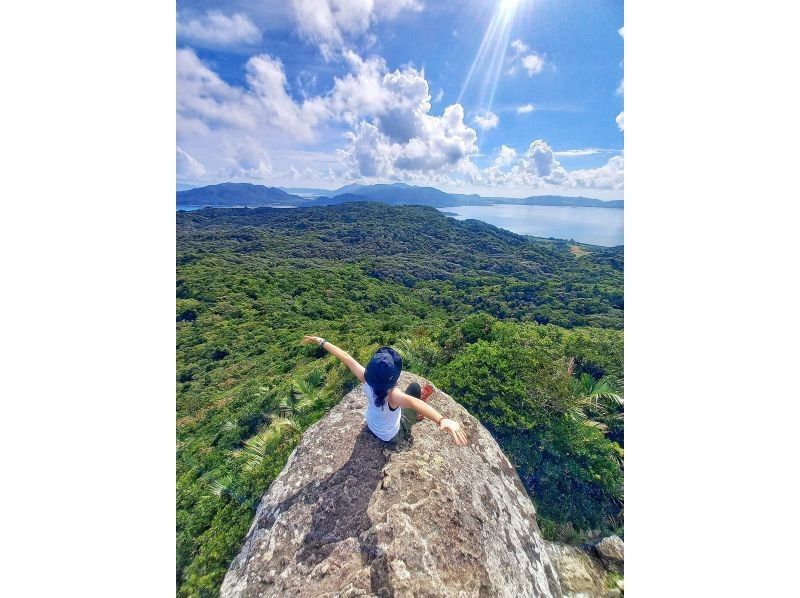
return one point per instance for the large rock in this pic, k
(351, 516)
(581, 574)
(611, 551)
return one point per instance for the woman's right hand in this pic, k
(308, 340)
(454, 428)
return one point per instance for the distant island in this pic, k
(249, 195)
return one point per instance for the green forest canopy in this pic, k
(505, 324)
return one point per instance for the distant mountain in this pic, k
(306, 191)
(245, 194)
(237, 194)
(558, 200)
(402, 194)
(347, 189)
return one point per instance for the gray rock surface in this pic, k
(581, 574)
(611, 551)
(351, 516)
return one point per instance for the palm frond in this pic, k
(284, 423)
(611, 397)
(258, 447)
(304, 389)
(221, 487)
(306, 393)
(619, 455)
(315, 378)
(306, 402)
(595, 424)
(585, 384)
(595, 391)
(578, 414)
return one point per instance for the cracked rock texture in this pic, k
(350, 515)
(611, 551)
(581, 574)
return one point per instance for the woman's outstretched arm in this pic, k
(340, 354)
(401, 399)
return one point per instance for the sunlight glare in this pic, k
(488, 63)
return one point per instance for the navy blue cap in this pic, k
(383, 370)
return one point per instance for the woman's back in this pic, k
(383, 421)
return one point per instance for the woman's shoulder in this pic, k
(389, 399)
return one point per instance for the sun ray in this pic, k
(484, 72)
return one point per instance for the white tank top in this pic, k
(384, 422)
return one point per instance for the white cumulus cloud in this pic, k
(261, 130)
(505, 156)
(541, 156)
(442, 143)
(246, 159)
(520, 47)
(621, 121)
(187, 167)
(330, 23)
(538, 169)
(524, 57)
(609, 176)
(267, 81)
(228, 128)
(205, 101)
(215, 29)
(393, 131)
(486, 120)
(571, 153)
(533, 64)
(525, 108)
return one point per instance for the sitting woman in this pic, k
(390, 412)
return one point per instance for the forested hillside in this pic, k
(525, 333)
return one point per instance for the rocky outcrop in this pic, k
(351, 516)
(584, 572)
(580, 573)
(611, 551)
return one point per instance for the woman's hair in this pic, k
(380, 396)
(382, 373)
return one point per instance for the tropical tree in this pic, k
(224, 488)
(596, 400)
(305, 395)
(258, 447)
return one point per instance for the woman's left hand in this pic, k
(454, 428)
(307, 340)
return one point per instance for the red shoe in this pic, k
(425, 395)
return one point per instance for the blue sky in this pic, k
(498, 97)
